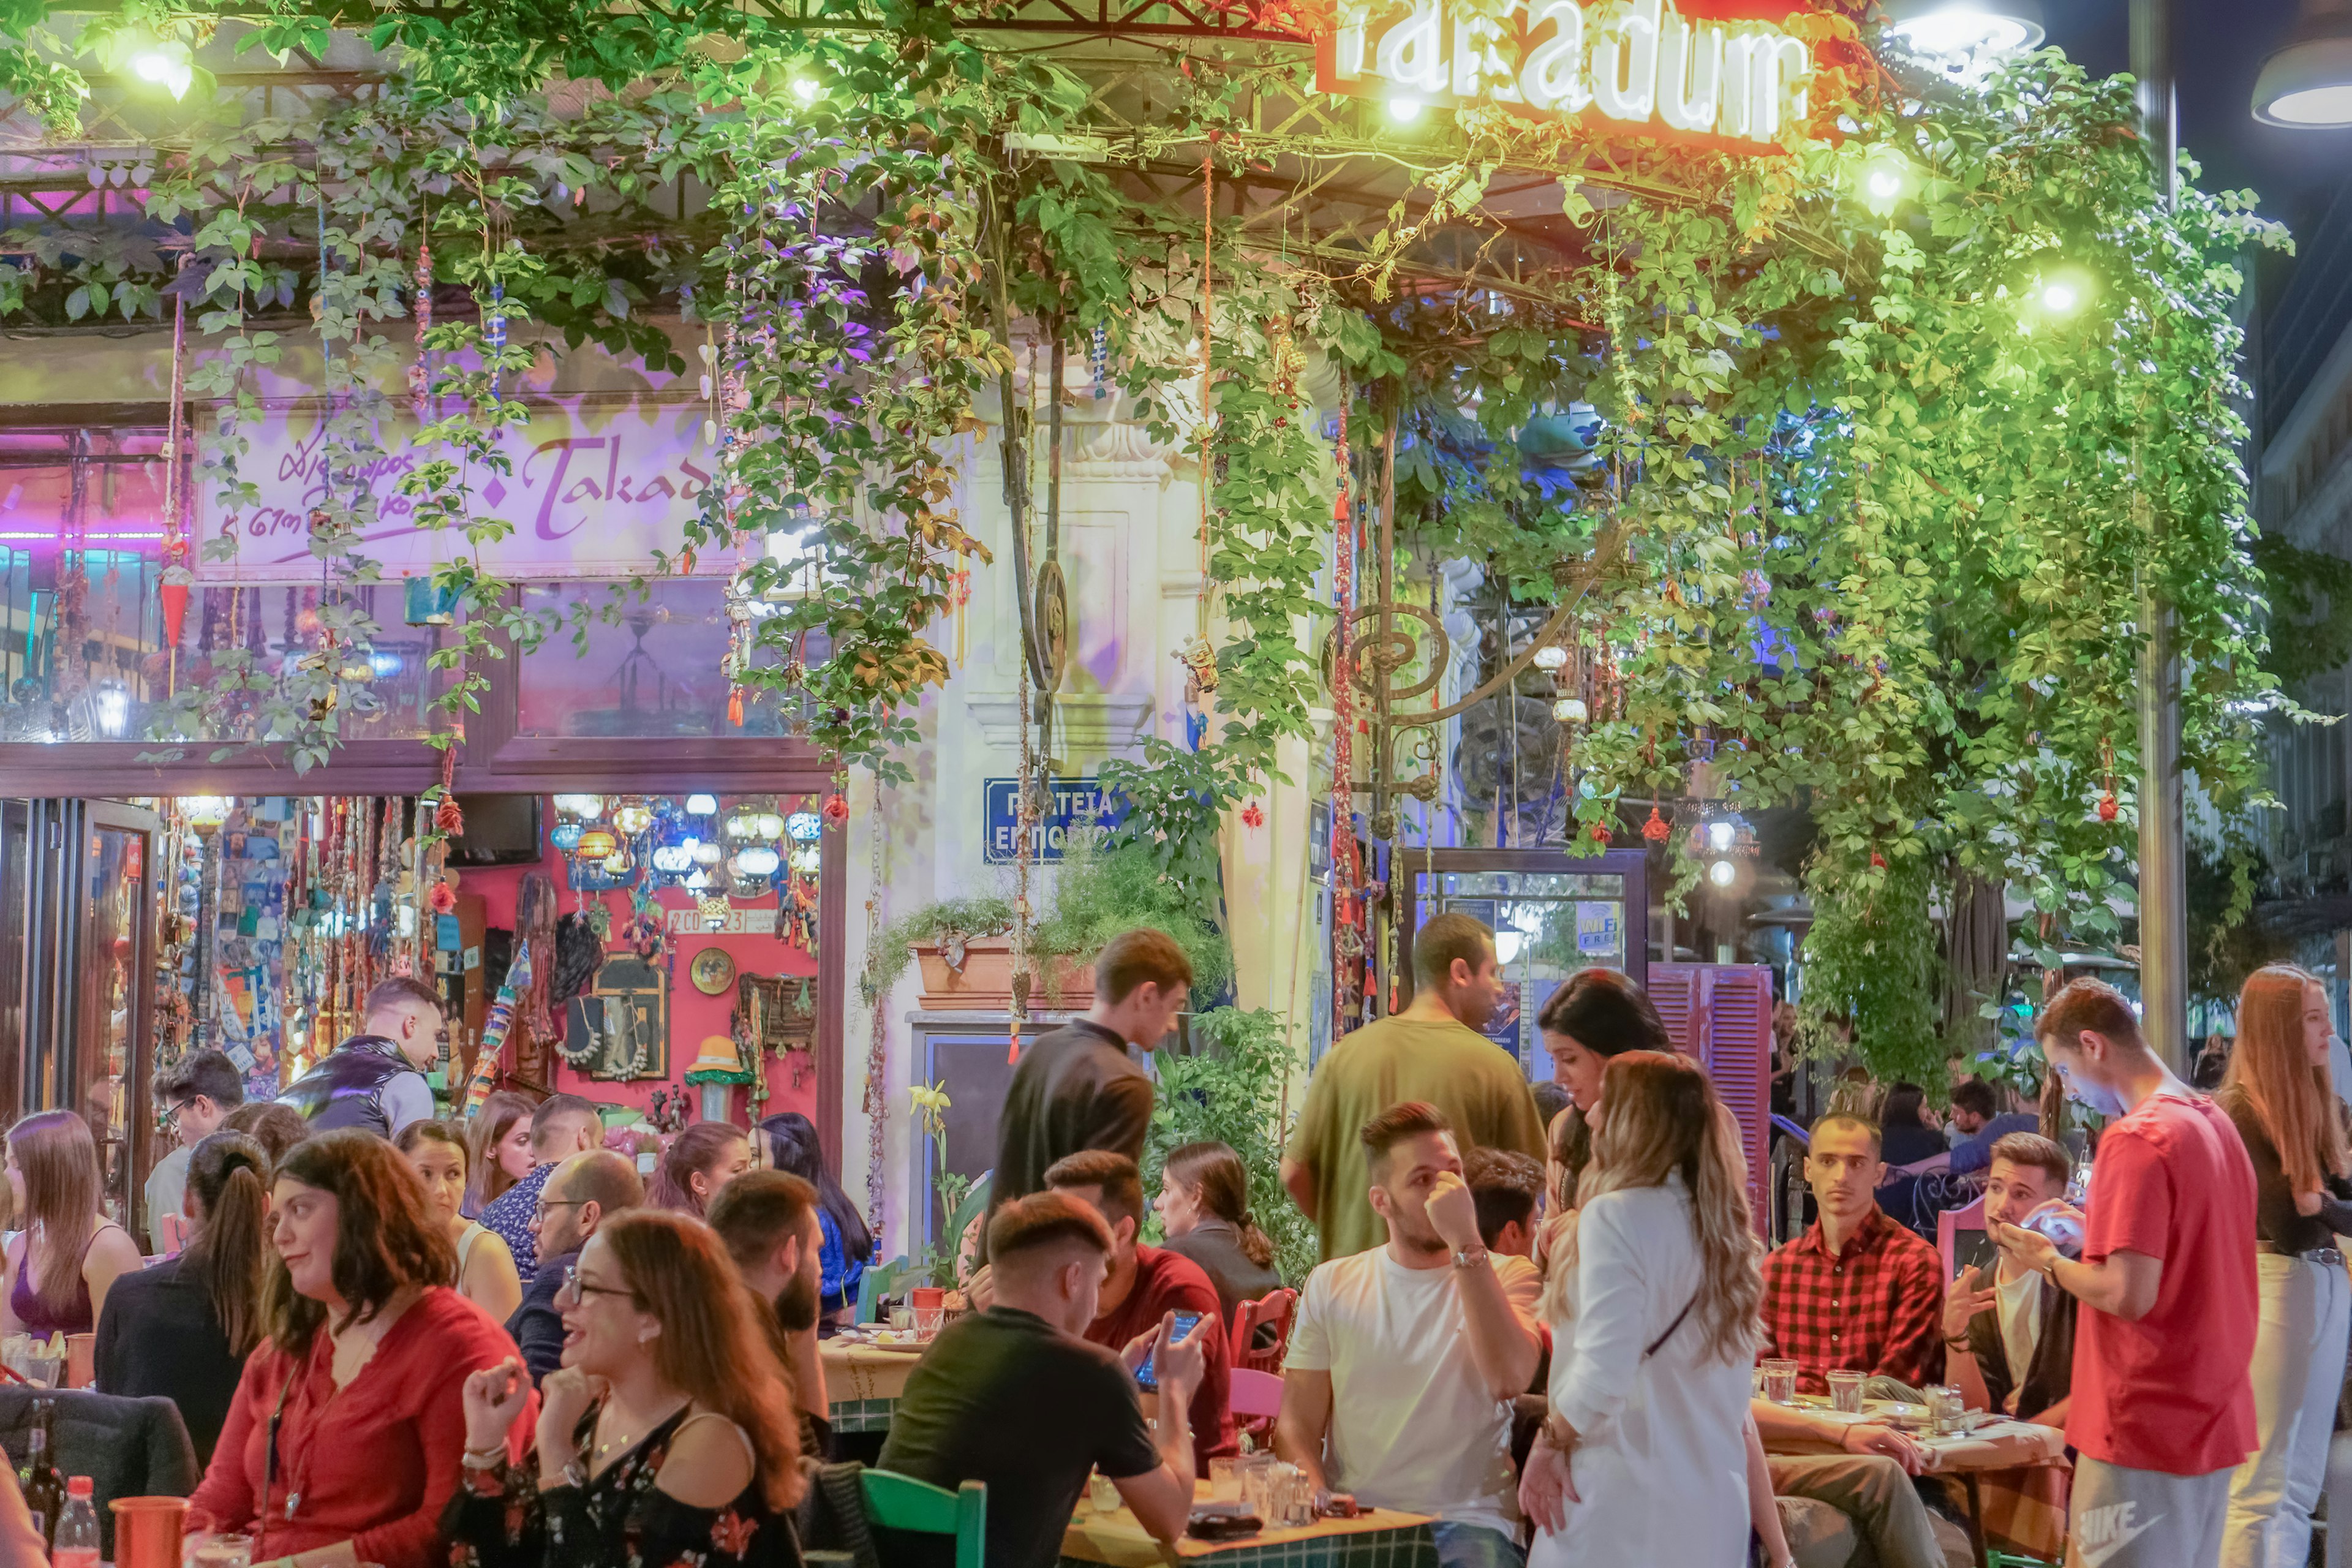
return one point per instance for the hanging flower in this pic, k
(836, 809)
(1877, 861)
(444, 897)
(1599, 833)
(1656, 829)
(1253, 816)
(2107, 806)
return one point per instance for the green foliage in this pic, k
(981, 916)
(2310, 593)
(1098, 894)
(1233, 1090)
(1878, 958)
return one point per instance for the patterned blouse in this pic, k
(500, 1519)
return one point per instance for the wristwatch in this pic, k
(1470, 1258)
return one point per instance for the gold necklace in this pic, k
(622, 1441)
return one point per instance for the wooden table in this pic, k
(1380, 1538)
(862, 1383)
(2001, 1444)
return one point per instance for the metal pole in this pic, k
(2163, 848)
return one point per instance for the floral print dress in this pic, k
(500, 1519)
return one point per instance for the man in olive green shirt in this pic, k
(1430, 1052)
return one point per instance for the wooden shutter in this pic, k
(1720, 1015)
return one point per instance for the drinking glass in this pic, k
(1781, 1382)
(902, 1318)
(1948, 1406)
(1103, 1492)
(1253, 1470)
(929, 1320)
(1846, 1392)
(1224, 1482)
(221, 1551)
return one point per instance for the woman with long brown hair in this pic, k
(1204, 1206)
(1653, 1305)
(345, 1433)
(183, 1328)
(486, 1269)
(498, 1149)
(59, 1268)
(2279, 1095)
(666, 1436)
(698, 1163)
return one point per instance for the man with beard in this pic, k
(768, 1221)
(1401, 1372)
(1431, 1053)
(579, 1193)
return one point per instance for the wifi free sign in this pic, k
(1726, 71)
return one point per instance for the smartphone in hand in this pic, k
(1147, 1375)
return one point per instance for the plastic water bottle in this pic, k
(76, 1542)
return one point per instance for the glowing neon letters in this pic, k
(1636, 62)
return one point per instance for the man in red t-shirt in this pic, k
(2163, 1408)
(1146, 1282)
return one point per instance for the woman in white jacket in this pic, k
(1653, 1312)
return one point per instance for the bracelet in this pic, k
(1951, 1344)
(484, 1458)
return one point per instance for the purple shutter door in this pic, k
(1721, 1014)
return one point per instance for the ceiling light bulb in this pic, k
(1886, 185)
(701, 804)
(2060, 298)
(1723, 873)
(1404, 110)
(1550, 657)
(1721, 836)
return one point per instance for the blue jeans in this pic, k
(1462, 1545)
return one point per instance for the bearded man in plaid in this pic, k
(1856, 1291)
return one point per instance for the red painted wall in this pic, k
(692, 1014)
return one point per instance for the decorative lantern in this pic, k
(803, 827)
(587, 807)
(758, 860)
(701, 804)
(597, 843)
(632, 816)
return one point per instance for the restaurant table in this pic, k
(1999, 1445)
(1379, 1537)
(862, 1383)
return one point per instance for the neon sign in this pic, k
(1724, 72)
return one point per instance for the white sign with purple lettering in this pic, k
(597, 483)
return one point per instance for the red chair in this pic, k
(1278, 1308)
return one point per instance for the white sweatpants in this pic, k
(2298, 1371)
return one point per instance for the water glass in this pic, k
(1102, 1492)
(1846, 1392)
(220, 1551)
(1948, 1406)
(902, 1318)
(1781, 1382)
(1224, 1481)
(1255, 1471)
(928, 1322)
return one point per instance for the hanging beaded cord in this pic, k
(877, 1101)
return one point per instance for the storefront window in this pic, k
(647, 660)
(1547, 927)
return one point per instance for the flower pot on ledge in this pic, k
(984, 982)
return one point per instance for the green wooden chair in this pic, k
(902, 1502)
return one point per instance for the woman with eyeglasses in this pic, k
(69, 1253)
(666, 1438)
(486, 1269)
(342, 1443)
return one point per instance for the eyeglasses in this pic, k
(171, 1117)
(547, 1203)
(573, 1288)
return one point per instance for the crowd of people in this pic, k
(399, 1340)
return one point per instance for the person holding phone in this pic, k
(1012, 1396)
(1148, 1283)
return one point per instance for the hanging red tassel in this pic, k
(175, 612)
(1656, 829)
(1253, 816)
(446, 817)
(836, 809)
(442, 899)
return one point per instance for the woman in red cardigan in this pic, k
(346, 1435)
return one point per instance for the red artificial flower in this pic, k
(1599, 833)
(1253, 816)
(1877, 861)
(836, 809)
(1655, 830)
(2107, 806)
(444, 897)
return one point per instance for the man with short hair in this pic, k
(1976, 1116)
(196, 1093)
(1014, 1397)
(1856, 1292)
(2008, 1327)
(1507, 1187)
(1147, 1283)
(563, 1126)
(375, 1079)
(1077, 1087)
(2163, 1408)
(768, 1221)
(1431, 1053)
(575, 1195)
(1405, 1359)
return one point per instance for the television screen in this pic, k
(501, 830)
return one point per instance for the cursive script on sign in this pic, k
(594, 489)
(1725, 71)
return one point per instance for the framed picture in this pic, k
(619, 1029)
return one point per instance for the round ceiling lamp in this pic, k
(1940, 30)
(2307, 84)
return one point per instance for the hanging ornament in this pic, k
(1656, 829)
(836, 809)
(442, 899)
(494, 322)
(1877, 861)
(1599, 833)
(1099, 359)
(1253, 816)
(446, 817)
(2108, 807)
(420, 374)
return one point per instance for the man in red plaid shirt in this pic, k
(1857, 1291)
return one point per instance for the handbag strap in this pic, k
(1659, 1343)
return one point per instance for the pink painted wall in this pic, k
(692, 1014)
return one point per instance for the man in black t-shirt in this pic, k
(1015, 1398)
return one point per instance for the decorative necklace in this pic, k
(622, 1442)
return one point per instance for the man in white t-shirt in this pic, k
(196, 1094)
(1405, 1359)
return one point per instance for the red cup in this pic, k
(926, 1296)
(147, 1531)
(82, 1360)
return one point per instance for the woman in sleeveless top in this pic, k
(664, 1439)
(60, 1270)
(486, 1267)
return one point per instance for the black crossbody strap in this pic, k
(1659, 1343)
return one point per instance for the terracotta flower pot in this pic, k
(983, 982)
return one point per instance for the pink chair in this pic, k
(1949, 1226)
(1255, 1398)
